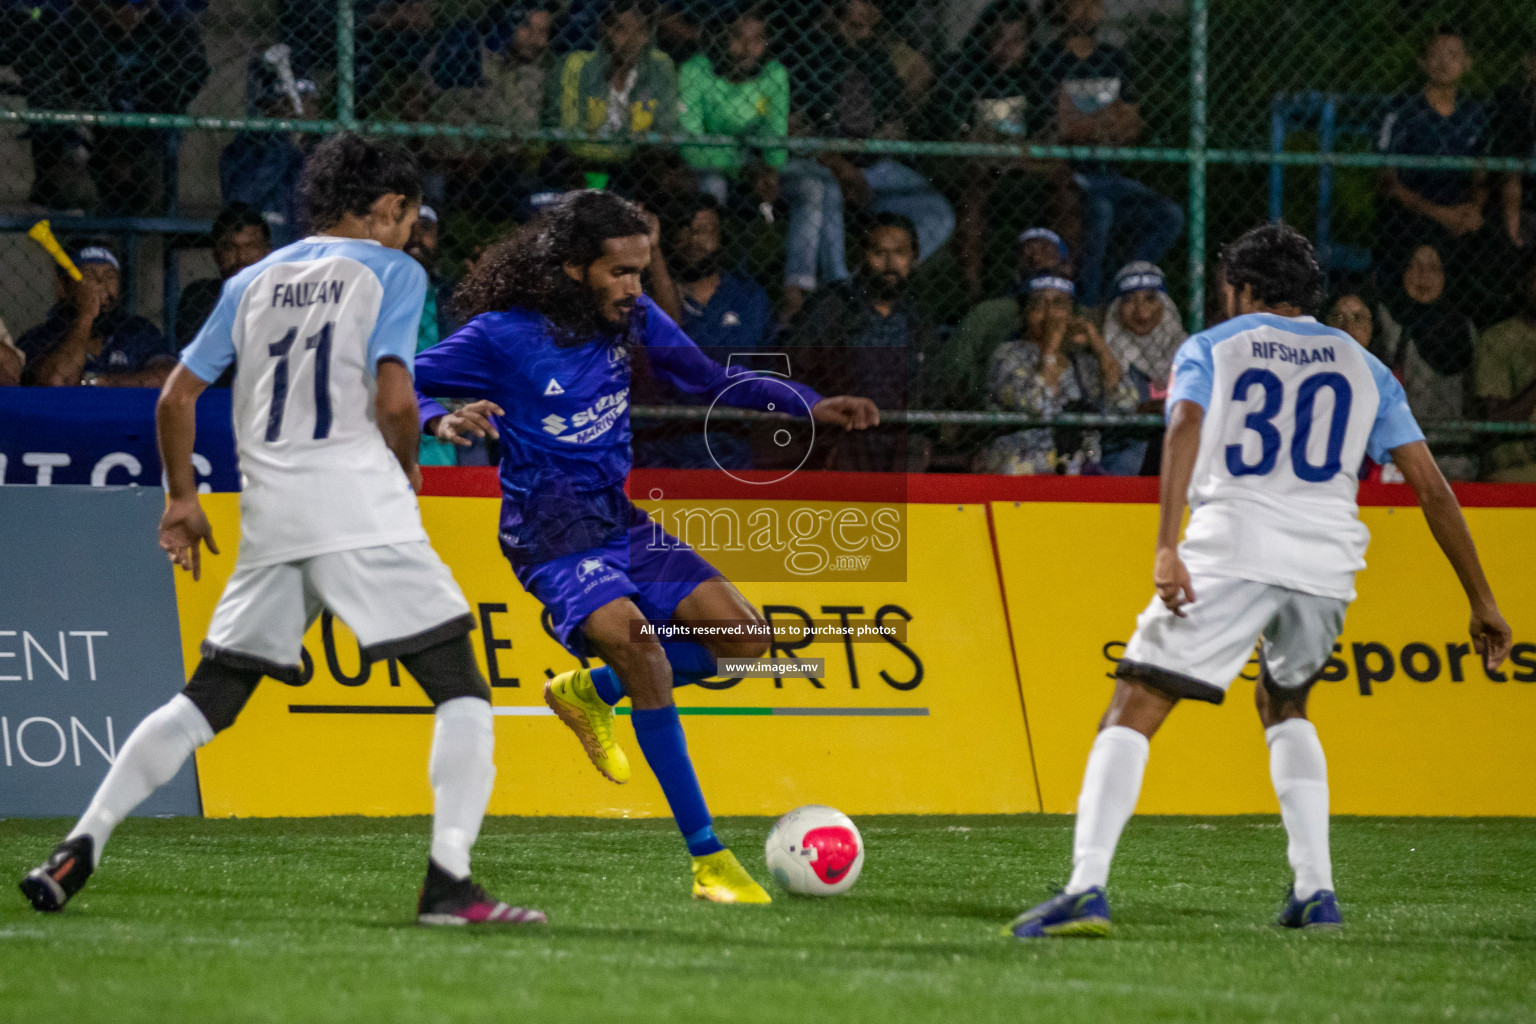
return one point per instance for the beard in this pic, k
(886, 287)
(698, 268)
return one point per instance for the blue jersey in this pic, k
(1292, 408)
(565, 435)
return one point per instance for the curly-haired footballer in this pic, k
(558, 314)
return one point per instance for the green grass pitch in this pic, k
(306, 920)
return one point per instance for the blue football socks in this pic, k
(690, 662)
(606, 682)
(660, 733)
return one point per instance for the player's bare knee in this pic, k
(447, 670)
(1136, 706)
(744, 648)
(221, 691)
(1275, 704)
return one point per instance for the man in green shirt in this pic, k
(1506, 382)
(732, 89)
(623, 87)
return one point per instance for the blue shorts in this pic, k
(646, 564)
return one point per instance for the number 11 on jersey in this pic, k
(320, 344)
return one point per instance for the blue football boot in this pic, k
(1319, 912)
(1084, 915)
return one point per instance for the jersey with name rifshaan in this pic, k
(1292, 408)
(306, 328)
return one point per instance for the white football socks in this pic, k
(1300, 774)
(462, 771)
(1111, 784)
(154, 752)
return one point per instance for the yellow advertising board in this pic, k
(1410, 721)
(931, 724)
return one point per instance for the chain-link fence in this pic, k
(1009, 207)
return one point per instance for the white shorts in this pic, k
(1199, 656)
(397, 598)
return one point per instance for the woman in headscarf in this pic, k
(1143, 330)
(1061, 365)
(1429, 344)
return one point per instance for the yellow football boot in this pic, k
(572, 696)
(720, 878)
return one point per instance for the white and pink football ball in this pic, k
(815, 851)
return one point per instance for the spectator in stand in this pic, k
(1143, 329)
(1429, 343)
(1060, 364)
(625, 86)
(423, 248)
(1506, 382)
(1515, 135)
(394, 40)
(240, 238)
(262, 169)
(88, 338)
(869, 334)
(994, 321)
(501, 81)
(732, 88)
(117, 55)
(984, 96)
(847, 87)
(1441, 208)
(725, 312)
(12, 361)
(1087, 93)
(915, 70)
(680, 27)
(1350, 311)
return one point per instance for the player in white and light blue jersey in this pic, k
(322, 334)
(1270, 415)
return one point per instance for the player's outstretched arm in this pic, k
(1181, 446)
(1491, 635)
(183, 526)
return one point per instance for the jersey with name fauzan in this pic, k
(1292, 408)
(565, 435)
(306, 328)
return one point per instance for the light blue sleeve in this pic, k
(405, 290)
(209, 354)
(1395, 425)
(1192, 374)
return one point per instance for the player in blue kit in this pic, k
(322, 334)
(1270, 415)
(558, 317)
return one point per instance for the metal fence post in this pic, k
(346, 65)
(1198, 18)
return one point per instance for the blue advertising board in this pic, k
(106, 437)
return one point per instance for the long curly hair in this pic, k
(528, 269)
